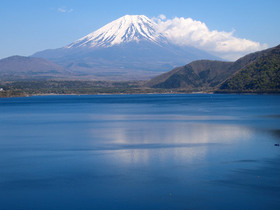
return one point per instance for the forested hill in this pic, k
(255, 72)
(198, 74)
(261, 75)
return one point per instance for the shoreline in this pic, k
(45, 88)
(138, 93)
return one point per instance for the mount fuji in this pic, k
(130, 28)
(129, 48)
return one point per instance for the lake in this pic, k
(192, 151)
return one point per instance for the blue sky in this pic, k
(28, 26)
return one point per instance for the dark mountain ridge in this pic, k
(206, 75)
(261, 75)
(198, 74)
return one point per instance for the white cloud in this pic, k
(162, 17)
(189, 32)
(64, 10)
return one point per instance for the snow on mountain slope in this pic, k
(125, 29)
(129, 48)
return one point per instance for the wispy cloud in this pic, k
(162, 17)
(64, 10)
(189, 32)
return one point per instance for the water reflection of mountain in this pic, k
(142, 136)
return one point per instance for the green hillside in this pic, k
(202, 74)
(255, 72)
(262, 75)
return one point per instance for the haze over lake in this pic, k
(193, 151)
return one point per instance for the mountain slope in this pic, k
(127, 48)
(257, 71)
(20, 67)
(197, 74)
(125, 29)
(261, 75)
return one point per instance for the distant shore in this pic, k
(131, 93)
(35, 88)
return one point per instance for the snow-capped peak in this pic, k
(125, 29)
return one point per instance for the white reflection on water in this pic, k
(177, 137)
(148, 156)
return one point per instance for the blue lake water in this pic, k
(194, 151)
